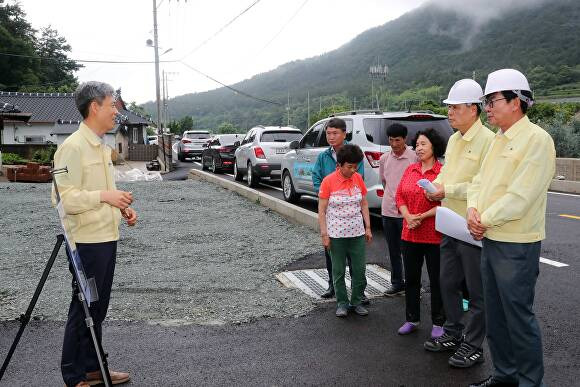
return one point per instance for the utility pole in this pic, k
(157, 86)
(308, 109)
(288, 109)
(164, 104)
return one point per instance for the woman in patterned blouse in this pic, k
(343, 215)
(420, 239)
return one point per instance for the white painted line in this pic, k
(376, 285)
(300, 285)
(320, 281)
(564, 194)
(228, 174)
(269, 186)
(380, 271)
(553, 263)
(195, 162)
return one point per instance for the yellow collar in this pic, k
(89, 135)
(473, 130)
(517, 127)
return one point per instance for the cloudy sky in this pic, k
(270, 33)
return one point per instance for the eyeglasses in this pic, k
(490, 102)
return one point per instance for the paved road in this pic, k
(319, 349)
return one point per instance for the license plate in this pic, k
(281, 151)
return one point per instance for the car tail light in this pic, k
(223, 149)
(421, 117)
(373, 158)
(380, 193)
(185, 141)
(259, 152)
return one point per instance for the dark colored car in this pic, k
(218, 154)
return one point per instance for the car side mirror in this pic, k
(294, 144)
(237, 143)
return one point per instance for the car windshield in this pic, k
(280, 136)
(376, 128)
(229, 139)
(197, 136)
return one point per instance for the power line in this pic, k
(237, 91)
(220, 30)
(284, 26)
(86, 60)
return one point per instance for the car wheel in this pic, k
(214, 168)
(288, 191)
(253, 179)
(238, 176)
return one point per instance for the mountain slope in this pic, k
(428, 46)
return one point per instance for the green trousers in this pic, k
(339, 249)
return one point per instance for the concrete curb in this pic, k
(288, 210)
(567, 186)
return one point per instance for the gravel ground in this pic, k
(199, 254)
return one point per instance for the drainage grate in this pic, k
(315, 281)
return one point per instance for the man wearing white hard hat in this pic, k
(460, 261)
(506, 210)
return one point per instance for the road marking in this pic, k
(315, 281)
(195, 162)
(269, 186)
(570, 216)
(564, 194)
(553, 263)
(228, 174)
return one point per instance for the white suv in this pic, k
(191, 144)
(368, 130)
(261, 151)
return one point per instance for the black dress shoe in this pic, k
(365, 300)
(329, 293)
(491, 382)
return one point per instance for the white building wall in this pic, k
(16, 133)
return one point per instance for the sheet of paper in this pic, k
(427, 185)
(454, 225)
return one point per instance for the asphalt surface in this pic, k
(317, 348)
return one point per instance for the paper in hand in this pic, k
(454, 225)
(427, 185)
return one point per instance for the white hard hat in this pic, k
(464, 91)
(508, 79)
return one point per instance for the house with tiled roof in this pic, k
(54, 117)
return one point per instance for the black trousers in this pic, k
(78, 351)
(413, 256)
(392, 229)
(460, 267)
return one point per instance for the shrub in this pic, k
(44, 156)
(12, 159)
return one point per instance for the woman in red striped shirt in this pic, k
(420, 239)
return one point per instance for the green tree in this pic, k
(31, 62)
(56, 69)
(17, 37)
(227, 128)
(139, 110)
(327, 111)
